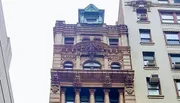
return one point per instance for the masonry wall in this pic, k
(166, 74)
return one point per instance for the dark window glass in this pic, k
(113, 42)
(69, 40)
(68, 65)
(92, 65)
(115, 65)
(176, 1)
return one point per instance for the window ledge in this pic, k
(173, 45)
(151, 68)
(156, 96)
(143, 22)
(147, 43)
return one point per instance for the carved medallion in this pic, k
(107, 80)
(54, 88)
(77, 80)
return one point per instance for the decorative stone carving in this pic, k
(54, 88)
(92, 91)
(107, 80)
(77, 80)
(140, 4)
(129, 83)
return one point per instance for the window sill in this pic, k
(156, 96)
(147, 43)
(173, 45)
(150, 68)
(143, 22)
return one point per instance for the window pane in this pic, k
(175, 59)
(145, 40)
(153, 86)
(173, 42)
(168, 21)
(167, 16)
(176, 1)
(178, 16)
(172, 36)
(153, 92)
(143, 35)
(148, 58)
(178, 85)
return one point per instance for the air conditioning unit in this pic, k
(154, 79)
(151, 63)
(176, 65)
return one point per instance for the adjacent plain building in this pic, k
(154, 39)
(5, 58)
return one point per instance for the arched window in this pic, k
(92, 65)
(68, 65)
(115, 66)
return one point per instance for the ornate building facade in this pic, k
(91, 61)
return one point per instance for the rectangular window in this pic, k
(113, 42)
(153, 89)
(172, 37)
(163, 1)
(170, 16)
(177, 84)
(69, 40)
(167, 17)
(175, 61)
(145, 35)
(176, 1)
(149, 59)
(142, 14)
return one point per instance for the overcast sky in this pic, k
(29, 25)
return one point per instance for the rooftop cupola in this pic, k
(91, 15)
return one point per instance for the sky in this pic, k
(29, 24)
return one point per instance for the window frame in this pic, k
(148, 53)
(112, 43)
(161, 1)
(158, 88)
(148, 32)
(116, 68)
(174, 15)
(165, 33)
(93, 68)
(66, 43)
(176, 87)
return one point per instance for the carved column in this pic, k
(106, 63)
(78, 62)
(121, 97)
(106, 96)
(92, 99)
(63, 96)
(77, 95)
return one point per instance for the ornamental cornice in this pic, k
(66, 29)
(147, 4)
(172, 29)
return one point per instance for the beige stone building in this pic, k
(154, 39)
(91, 61)
(5, 58)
